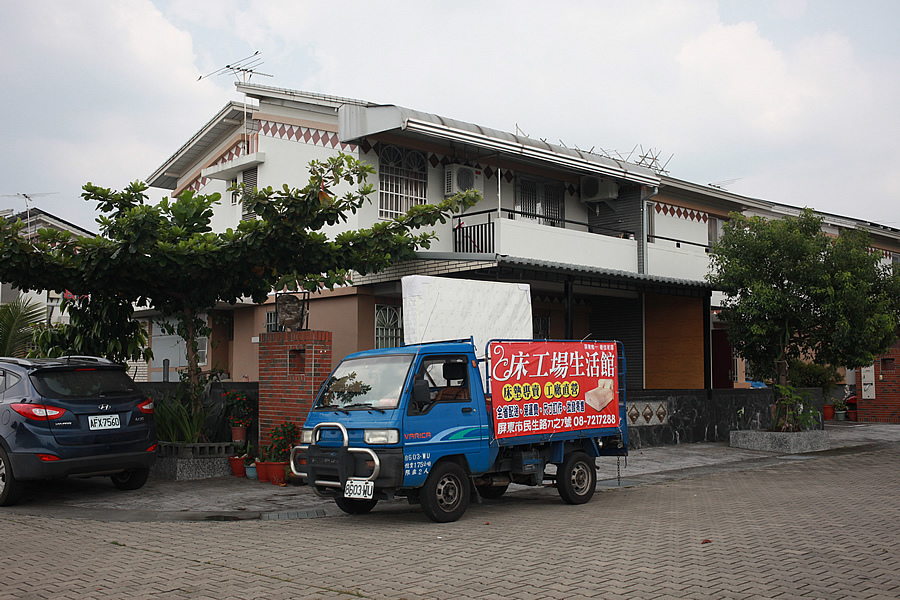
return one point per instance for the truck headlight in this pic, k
(381, 436)
(306, 437)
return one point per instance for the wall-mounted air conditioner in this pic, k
(459, 178)
(598, 189)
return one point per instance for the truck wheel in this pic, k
(130, 479)
(10, 488)
(491, 492)
(577, 478)
(354, 506)
(445, 495)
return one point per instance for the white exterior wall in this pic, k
(539, 242)
(683, 259)
(687, 262)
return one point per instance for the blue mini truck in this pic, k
(417, 422)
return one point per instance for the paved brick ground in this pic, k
(817, 526)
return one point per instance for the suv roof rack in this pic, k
(98, 359)
(24, 362)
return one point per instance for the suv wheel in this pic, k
(131, 479)
(10, 488)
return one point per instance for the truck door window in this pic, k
(447, 378)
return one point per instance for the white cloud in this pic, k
(793, 97)
(101, 90)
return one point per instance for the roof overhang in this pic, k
(356, 122)
(225, 123)
(511, 268)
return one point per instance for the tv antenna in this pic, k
(243, 70)
(723, 185)
(28, 200)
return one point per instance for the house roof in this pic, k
(226, 120)
(35, 218)
(358, 121)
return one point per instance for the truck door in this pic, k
(449, 422)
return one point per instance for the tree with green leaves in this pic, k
(167, 257)
(792, 292)
(17, 321)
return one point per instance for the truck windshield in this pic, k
(373, 382)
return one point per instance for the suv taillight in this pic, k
(146, 406)
(38, 412)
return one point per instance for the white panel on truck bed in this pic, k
(435, 308)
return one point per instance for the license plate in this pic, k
(359, 488)
(103, 422)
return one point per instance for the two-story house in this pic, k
(611, 249)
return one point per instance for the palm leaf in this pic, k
(17, 321)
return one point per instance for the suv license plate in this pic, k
(359, 488)
(103, 422)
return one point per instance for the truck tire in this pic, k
(491, 492)
(354, 506)
(10, 488)
(577, 478)
(445, 495)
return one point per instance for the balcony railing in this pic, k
(479, 236)
(678, 243)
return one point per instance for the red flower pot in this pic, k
(237, 466)
(262, 471)
(239, 434)
(828, 412)
(277, 473)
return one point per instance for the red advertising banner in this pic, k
(540, 387)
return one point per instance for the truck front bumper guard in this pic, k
(340, 460)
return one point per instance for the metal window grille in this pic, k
(554, 203)
(388, 326)
(402, 180)
(272, 322)
(540, 201)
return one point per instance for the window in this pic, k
(272, 322)
(249, 178)
(402, 180)
(887, 365)
(541, 201)
(714, 229)
(540, 326)
(650, 212)
(388, 326)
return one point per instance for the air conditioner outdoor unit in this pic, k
(459, 178)
(598, 189)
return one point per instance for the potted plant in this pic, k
(238, 461)
(262, 464)
(250, 463)
(240, 414)
(840, 409)
(283, 437)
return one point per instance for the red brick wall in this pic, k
(885, 407)
(292, 366)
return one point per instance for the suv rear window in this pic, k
(83, 383)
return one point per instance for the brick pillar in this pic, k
(292, 366)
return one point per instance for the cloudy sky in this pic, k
(794, 101)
